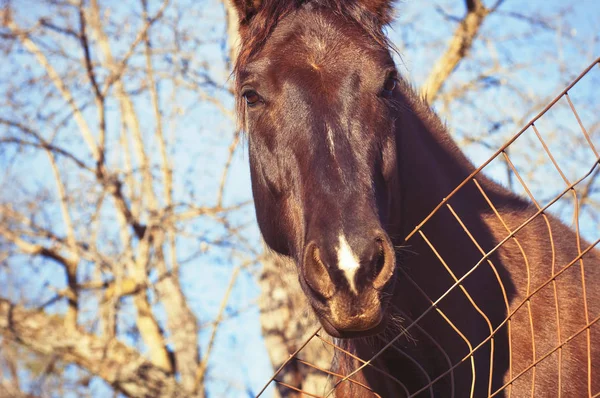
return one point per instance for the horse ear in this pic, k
(246, 9)
(382, 9)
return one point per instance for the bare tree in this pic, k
(96, 220)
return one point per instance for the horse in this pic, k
(346, 160)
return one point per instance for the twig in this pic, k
(201, 373)
(118, 70)
(71, 266)
(60, 85)
(98, 96)
(225, 174)
(461, 43)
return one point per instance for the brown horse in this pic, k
(345, 161)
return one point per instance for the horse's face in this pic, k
(318, 113)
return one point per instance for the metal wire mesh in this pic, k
(577, 183)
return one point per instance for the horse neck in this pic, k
(430, 164)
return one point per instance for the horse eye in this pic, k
(252, 98)
(390, 84)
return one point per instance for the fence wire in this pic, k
(574, 195)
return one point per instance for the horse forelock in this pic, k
(255, 32)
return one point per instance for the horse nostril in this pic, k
(385, 263)
(379, 258)
(315, 272)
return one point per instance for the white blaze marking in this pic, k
(331, 144)
(347, 261)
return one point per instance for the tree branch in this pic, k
(458, 49)
(71, 267)
(119, 68)
(98, 96)
(227, 167)
(120, 366)
(60, 85)
(201, 373)
(45, 146)
(126, 104)
(33, 249)
(181, 321)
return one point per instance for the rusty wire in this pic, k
(486, 257)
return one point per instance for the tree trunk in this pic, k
(287, 321)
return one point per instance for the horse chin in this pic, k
(352, 334)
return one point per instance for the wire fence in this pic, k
(576, 189)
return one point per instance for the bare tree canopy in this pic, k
(114, 196)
